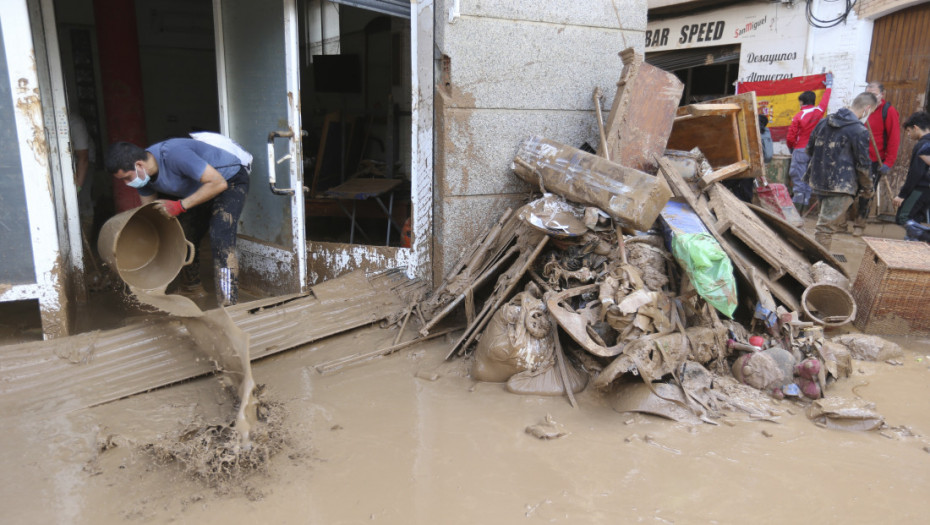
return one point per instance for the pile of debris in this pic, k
(651, 267)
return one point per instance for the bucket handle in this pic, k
(190, 253)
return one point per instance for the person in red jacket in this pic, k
(799, 132)
(884, 126)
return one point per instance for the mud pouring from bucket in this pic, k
(147, 249)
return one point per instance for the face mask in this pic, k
(865, 116)
(140, 180)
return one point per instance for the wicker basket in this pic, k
(892, 288)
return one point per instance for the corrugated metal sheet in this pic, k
(388, 7)
(92, 368)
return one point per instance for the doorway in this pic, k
(355, 91)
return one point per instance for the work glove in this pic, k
(884, 169)
(171, 208)
(828, 82)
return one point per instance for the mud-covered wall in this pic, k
(506, 70)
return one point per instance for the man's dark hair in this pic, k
(123, 156)
(808, 98)
(920, 119)
(879, 85)
(763, 122)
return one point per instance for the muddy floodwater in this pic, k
(410, 438)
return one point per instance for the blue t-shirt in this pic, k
(181, 163)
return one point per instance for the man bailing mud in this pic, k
(210, 185)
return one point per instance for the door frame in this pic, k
(286, 269)
(37, 148)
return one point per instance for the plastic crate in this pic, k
(892, 288)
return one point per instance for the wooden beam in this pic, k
(724, 173)
(703, 110)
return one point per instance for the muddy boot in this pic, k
(858, 231)
(227, 286)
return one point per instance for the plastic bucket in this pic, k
(828, 305)
(145, 248)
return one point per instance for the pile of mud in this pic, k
(214, 454)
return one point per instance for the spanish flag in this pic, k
(778, 99)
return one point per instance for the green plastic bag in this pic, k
(709, 268)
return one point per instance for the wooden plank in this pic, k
(642, 113)
(706, 110)
(681, 189)
(96, 367)
(726, 172)
(799, 239)
(506, 283)
(761, 239)
(743, 258)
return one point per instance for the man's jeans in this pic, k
(800, 191)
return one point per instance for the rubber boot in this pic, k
(190, 285)
(227, 286)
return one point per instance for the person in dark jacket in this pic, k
(839, 168)
(882, 124)
(914, 198)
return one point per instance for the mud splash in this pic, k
(224, 343)
(213, 453)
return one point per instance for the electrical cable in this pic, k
(825, 24)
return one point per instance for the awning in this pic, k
(399, 8)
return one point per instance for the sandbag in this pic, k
(518, 338)
(546, 381)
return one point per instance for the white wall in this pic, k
(844, 50)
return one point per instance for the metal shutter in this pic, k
(685, 58)
(389, 7)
